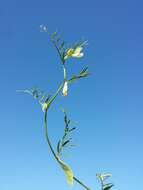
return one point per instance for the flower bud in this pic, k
(65, 89)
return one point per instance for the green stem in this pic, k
(56, 94)
(47, 137)
(78, 181)
(60, 87)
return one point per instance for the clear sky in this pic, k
(107, 106)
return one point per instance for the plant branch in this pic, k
(56, 47)
(53, 152)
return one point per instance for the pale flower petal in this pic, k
(78, 50)
(65, 89)
(78, 55)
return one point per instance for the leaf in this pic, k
(35, 94)
(48, 98)
(58, 146)
(68, 172)
(66, 142)
(84, 70)
(62, 45)
(53, 35)
(108, 186)
(66, 120)
(72, 129)
(82, 74)
(58, 39)
(69, 121)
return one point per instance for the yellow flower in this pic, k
(65, 89)
(74, 52)
(70, 52)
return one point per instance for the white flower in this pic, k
(65, 89)
(76, 53)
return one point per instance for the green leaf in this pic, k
(66, 120)
(48, 98)
(69, 121)
(84, 70)
(72, 79)
(58, 39)
(53, 35)
(82, 74)
(72, 129)
(66, 142)
(58, 147)
(33, 92)
(62, 45)
(108, 186)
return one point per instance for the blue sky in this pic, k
(107, 106)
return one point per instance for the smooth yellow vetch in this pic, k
(74, 52)
(70, 52)
(68, 172)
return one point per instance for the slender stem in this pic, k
(56, 94)
(65, 72)
(78, 181)
(47, 137)
(60, 87)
